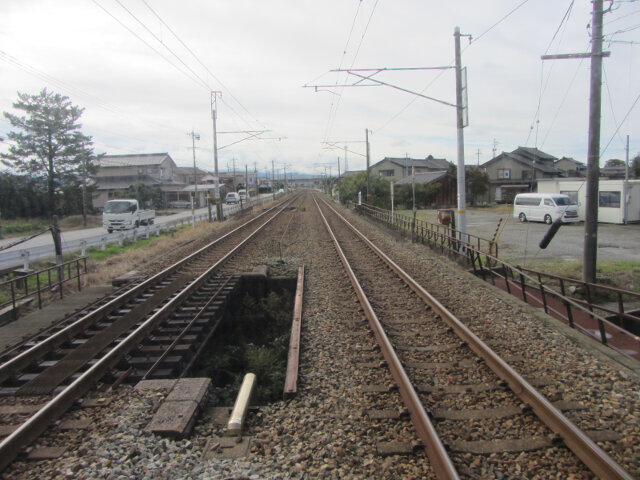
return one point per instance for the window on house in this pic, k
(386, 173)
(504, 173)
(609, 199)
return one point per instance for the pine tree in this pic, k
(48, 142)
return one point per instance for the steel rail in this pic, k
(11, 446)
(185, 330)
(25, 358)
(580, 444)
(436, 451)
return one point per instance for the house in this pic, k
(612, 207)
(394, 169)
(445, 193)
(570, 167)
(515, 172)
(119, 172)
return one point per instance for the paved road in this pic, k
(42, 245)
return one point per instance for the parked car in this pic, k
(243, 195)
(281, 190)
(232, 197)
(180, 204)
(545, 207)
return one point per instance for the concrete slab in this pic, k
(221, 448)
(174, 419)
(190, 389)
(165, 385)
(38, 320)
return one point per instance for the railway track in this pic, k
(152, 329)
(468, 405)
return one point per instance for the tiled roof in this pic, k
(429, 162)
(423, 177)
(143, 159)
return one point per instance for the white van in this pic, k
(545, 207)
(243, 195)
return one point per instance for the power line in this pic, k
(333, 115)
(126, 27)
(202, 82)
(203, 65)
(621, 124)
(511, 12)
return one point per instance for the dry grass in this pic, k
(142, 259)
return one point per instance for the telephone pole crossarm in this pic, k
(564, 56)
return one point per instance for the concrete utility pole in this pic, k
(339, 178)
(273, 178)
(625, 185)
(461, 109)
(346, 163)
(214, 96)
(593, 157)
(194, 137)
(366, 133)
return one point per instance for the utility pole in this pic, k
(84, 191)
(593, 157)
(233, 160)
(625, 185)
(273, 178)
(596, 55)
(346, 163)
(461, 121)
(478, 162)
(366, 133)
(214, 96)
(339, 178)
(194, 137)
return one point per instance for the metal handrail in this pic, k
(19, 286)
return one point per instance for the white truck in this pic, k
(124, 214)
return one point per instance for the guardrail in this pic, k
(13, 258)
(531, 286)
(36, 283)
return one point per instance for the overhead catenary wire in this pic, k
(335, 113)
(202, 82)
(227, 90)
(126, 27)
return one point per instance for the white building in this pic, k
(616, 204)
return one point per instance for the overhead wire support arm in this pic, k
(354, 72)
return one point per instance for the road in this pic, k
(73, 240)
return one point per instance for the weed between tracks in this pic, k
(253, 339)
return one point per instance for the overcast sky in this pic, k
(143, 70)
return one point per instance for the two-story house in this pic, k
(515, 172)
(118, 172)
(571, 167)
(394, 169)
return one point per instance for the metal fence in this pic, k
(51, 279)
(555, 294)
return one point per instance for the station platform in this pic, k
(38, 320)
